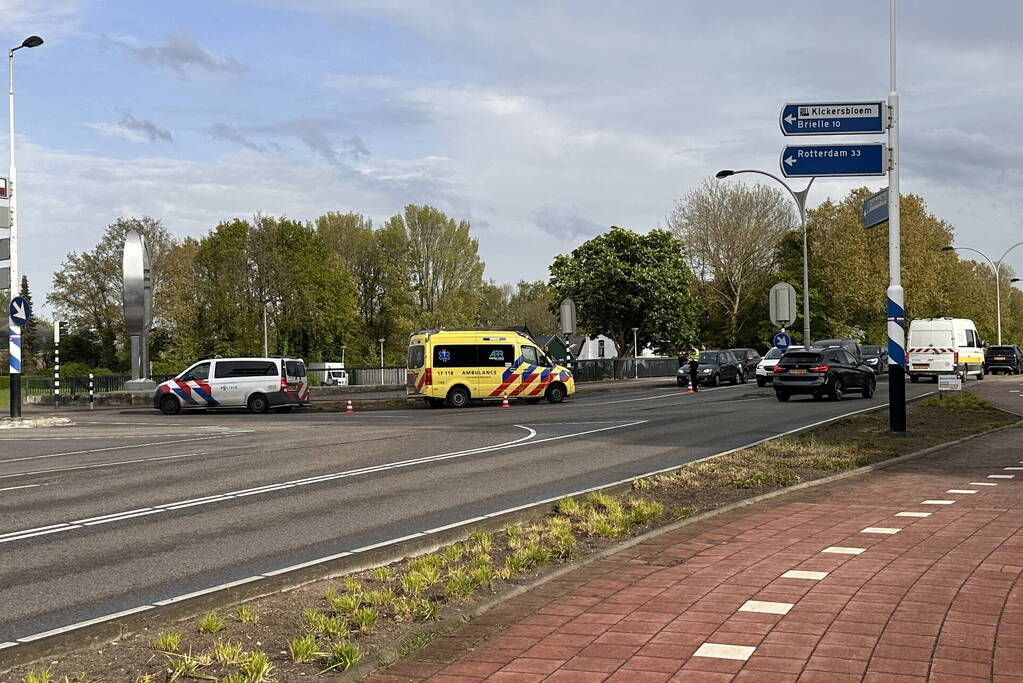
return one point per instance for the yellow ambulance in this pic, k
(452, 367)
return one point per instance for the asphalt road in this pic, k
(128, 509)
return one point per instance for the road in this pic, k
(125, 509)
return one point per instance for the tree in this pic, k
(443, 264)
(88, 289)
(30, 357)
(620, 280)
(731, 233)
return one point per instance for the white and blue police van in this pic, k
(259, 384)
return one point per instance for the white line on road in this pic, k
(111, 463)
(15, 488)
(113, 448)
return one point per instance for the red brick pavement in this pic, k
(937, 600)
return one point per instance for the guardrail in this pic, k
(600, 369)
(79, 386)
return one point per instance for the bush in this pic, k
(74, 369)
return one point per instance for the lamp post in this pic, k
(635, 352)
(800, 199)
(343, 347)
(266, 345)
(14, 335)
(996, 267)
(381, 360)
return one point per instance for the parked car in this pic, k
(876, 358)
(1007, 359)
(765, 368)
(831, 372)
(714, 367)
(749, 359)
(850, 345)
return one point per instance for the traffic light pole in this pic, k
(896, 296)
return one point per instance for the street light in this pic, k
(635, 352)
(800, 199)
(343, 347)
(14, 337)
(381, 360)
(996, 267)
(266, 347)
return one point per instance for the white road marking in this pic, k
(880, 530)
(114, 448)
(766, 607)
(15, 488)
(111, 463)
(799, 574)
(983, 483)
(83, 624)
(844, 550)
(936, 502)
(722, 651)
(1012, 468)
(1001, 476)
(961, 491)
(912, 514)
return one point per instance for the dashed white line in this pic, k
(766, 607)
(800, 574)
(912, 514)
(880, 530)
(15, 488)
(961, 491)
(1001, 476)
(724, 651)
(844, 550)
(983, 483)
(114, 448)
(936, 502)
(1011, 469)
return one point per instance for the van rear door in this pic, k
(297, 383)
(933, 350)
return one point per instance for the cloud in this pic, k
(180, 52)
(222, 131)
(133, 129)
(51, 19)
(565, 223)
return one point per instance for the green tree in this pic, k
(526, 303)
(620, 280)
(31, 359)
(87, 290)
(443, 264)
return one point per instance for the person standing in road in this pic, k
(694, 368)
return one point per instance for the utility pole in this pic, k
(896, 306)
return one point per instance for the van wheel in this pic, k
(555, 393)
(761, 382)
(458, 397)
(258, 404)
(980, 375)
(170, 405)
(914, 378)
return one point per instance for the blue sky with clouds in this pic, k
(541, 123)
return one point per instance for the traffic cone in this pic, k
(505, 404)
(348, 409)
(689, 388)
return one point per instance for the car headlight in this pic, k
(707, 371)
(872, 361)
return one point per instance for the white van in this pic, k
(258, 384)
(944, 346)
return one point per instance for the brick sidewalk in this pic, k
(907, 574)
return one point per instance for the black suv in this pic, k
(829, 372)
(748, 359)
(876, 358)
(1007, 359)
(714, 368)
(850, 345)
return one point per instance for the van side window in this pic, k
(532, 356)
(454, 356)
(494, 355)
(244, 368)
(416, 356)
(295, 368)
(201, 371)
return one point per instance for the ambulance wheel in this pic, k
(532, 401)
(555, 393)
(458, 397)
(258, 404)
(170, 405)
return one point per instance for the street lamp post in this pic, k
(266, 345)
(996, 267)
(635, 352)
(800, 199)
(381, 360)
(14, 335)
(343, 347)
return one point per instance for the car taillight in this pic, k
(956, 358)
(427, 377)
(778, 368)
(820, 368)
(284, 383)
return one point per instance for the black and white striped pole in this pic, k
(92, 394)
(56, 366)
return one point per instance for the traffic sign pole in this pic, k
(896, 296)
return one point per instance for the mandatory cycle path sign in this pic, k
(20, 311)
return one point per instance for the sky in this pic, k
(542, 123)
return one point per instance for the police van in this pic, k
(452, 367)
(259, 384)
(944, 346)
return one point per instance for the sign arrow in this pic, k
(20, 311)
(790, 161)
(790, 119)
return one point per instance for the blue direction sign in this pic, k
(847, 159)
(833, 118)
(782, 341)
(20, 311)
(875, 209)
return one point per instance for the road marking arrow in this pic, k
(790, 161)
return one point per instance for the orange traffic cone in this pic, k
(348, 409)
(689, 389)
(505, 404)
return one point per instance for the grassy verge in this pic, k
(334, 625)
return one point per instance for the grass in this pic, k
(343, 655)
(256, 668)
(303, 649)
(318, 623)
(212, 623)
(169, 641)
(415, 643)
(365, 619)
(38, 676)
(227, 652)
(246, 614)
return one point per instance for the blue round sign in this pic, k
(782, 340)
(20, 311)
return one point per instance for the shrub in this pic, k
(302, 649)
(212, 623)
(167, 642)
(343, 655)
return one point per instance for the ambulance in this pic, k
(453, 367)
(259, 384)
(944, 346)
